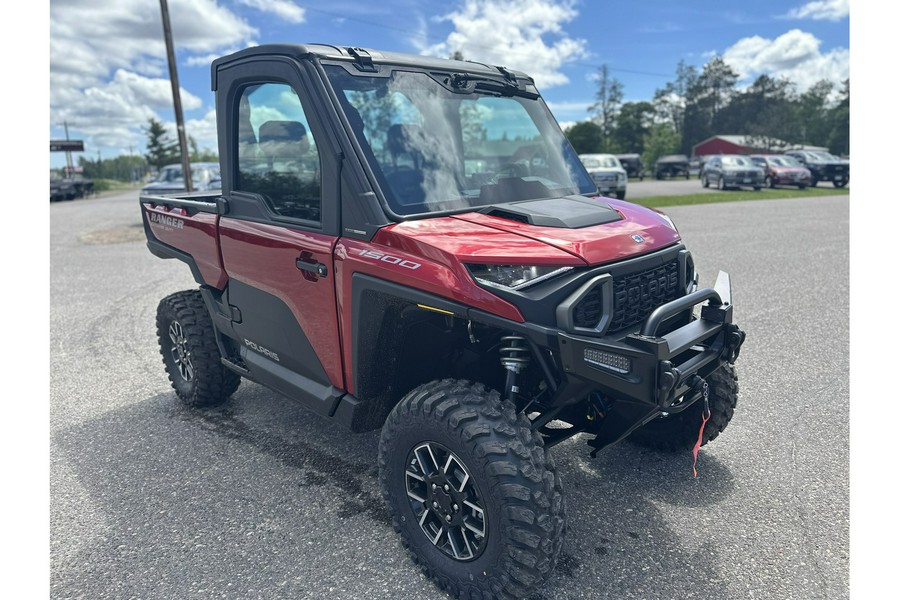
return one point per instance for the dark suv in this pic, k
(823, 166)
(731, 170)
(632, 164)
(673, 165)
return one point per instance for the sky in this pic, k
(109, 75)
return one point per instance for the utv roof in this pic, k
(365, 59)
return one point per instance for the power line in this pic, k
(486, 48)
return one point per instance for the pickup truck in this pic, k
(411, 244)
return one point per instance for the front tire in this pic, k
(190, 354)
(471, 490)
(678, 431)
(721, 184)
(705, 181)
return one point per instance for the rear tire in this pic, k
(678, 432)
(770, 183)
(840, 184)
(451, 451)
(190, 353)
(704, 181)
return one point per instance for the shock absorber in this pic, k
(515, 356)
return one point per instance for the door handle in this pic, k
(311, 265)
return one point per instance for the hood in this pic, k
(570, 231)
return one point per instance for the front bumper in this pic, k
(791, 178)
(647, 373)
(606, 187)
(739, 180)
(656, 369)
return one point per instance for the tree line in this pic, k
(700, 103)
(162, 150)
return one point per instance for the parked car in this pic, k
(69, 188)
(823, 166)
(732, 170)
(781, 169)
(632, 164)
(607, 172)
(62, 189)
(204, 177)
(673, 165)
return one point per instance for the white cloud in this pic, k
(285, 9)
(512, 33)
(108, 71)
(203, 130)
(795, 55)
(113, 114)
(821, 10)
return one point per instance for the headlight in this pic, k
(665, 217)
(622, 177)
(514, 277)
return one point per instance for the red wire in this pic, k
(700, 439)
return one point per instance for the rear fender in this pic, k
(186, 230)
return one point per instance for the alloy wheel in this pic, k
(446, 501)
(180, 352)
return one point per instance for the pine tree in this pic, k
(161, 149)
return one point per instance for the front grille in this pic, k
(635, 296)
(604, 177)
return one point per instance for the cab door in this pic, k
(279, 231)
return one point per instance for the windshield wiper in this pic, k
(508, 86)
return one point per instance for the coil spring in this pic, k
(515, 354)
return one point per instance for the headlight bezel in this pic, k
(514, 278)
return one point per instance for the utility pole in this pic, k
(68, 153)
(176, 96)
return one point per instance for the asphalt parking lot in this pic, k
(261, 499)
(675, 187)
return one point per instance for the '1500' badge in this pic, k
(637, 238)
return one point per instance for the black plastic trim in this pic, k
(538, 304)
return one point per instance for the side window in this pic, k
(277, 155)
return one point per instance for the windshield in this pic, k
(735, 161)
(435, 149)
(784, 161)
(824, 156)
(600, 162)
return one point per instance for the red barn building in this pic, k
(741, 144)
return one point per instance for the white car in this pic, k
(607, 172)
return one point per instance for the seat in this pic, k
(405, 143)
(283, 144)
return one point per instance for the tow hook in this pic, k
(665, 384)
(734, 339)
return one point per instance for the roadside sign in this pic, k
(66, 145)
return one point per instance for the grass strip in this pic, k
(737, 196)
